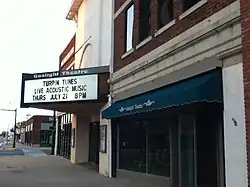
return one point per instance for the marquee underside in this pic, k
(82, 108)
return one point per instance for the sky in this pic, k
(33, 33)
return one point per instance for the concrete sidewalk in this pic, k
(33, 152)
(30, 151)
(51, 171)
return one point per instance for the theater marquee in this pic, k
(61, 89)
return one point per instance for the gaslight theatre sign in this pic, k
(60, 89)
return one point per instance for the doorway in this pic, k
(94, 139)
(201, 148)
(65, 140)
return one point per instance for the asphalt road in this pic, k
(15, 152)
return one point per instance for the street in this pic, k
(11, 152)
(20, 149)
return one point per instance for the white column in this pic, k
(234, 125)
(80, 153)
(105, 162)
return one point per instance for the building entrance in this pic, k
(94, 142)
(64, 132)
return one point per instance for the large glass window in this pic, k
(132, 152)
(129, 27)
(187, 148)
(145, 147)
(165, 12)
(189, 3)
(45, 137)
(175, 152)
(132, 146)
(145, 19)
(160, 147)
(181, 147)
(158, 136)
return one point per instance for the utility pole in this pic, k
(7, 134)
(14, 139)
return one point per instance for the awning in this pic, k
(202, 88)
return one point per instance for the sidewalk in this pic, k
(51, 171)
(30, 151)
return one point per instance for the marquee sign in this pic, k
(61, 89)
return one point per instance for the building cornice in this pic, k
(68, 54)
(73, 11)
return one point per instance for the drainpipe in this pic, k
(100, 33)
(111, 66)
(111, 70)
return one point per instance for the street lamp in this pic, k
(14, 110)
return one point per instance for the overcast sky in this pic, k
(33, 33)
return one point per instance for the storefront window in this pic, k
(45, 137)
(175, 152)
(187, 131)
(182, 148)
(158, 136)
(162, 147)
(132, 151)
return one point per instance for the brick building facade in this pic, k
(162, 49)
(37, 131)
(67, 57)
(157, 35)
(245, 26)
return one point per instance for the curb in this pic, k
(9, 148)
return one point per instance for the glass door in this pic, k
(94, 138)
(220, 153)
(187, 167)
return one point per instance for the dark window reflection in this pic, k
(187, 151)
(189, 3)
(45, 137)
(132, 146)
(175, 152)
(165, 12)
(159, 148)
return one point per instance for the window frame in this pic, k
(72, 67)
(159, 26)
(126, 49)
(185, 7)
(149, 16)
(193, 8)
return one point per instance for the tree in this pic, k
(12, 130)
(3, 134)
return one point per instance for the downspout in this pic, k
(99, 61)
(111, 66)
(111, 70)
